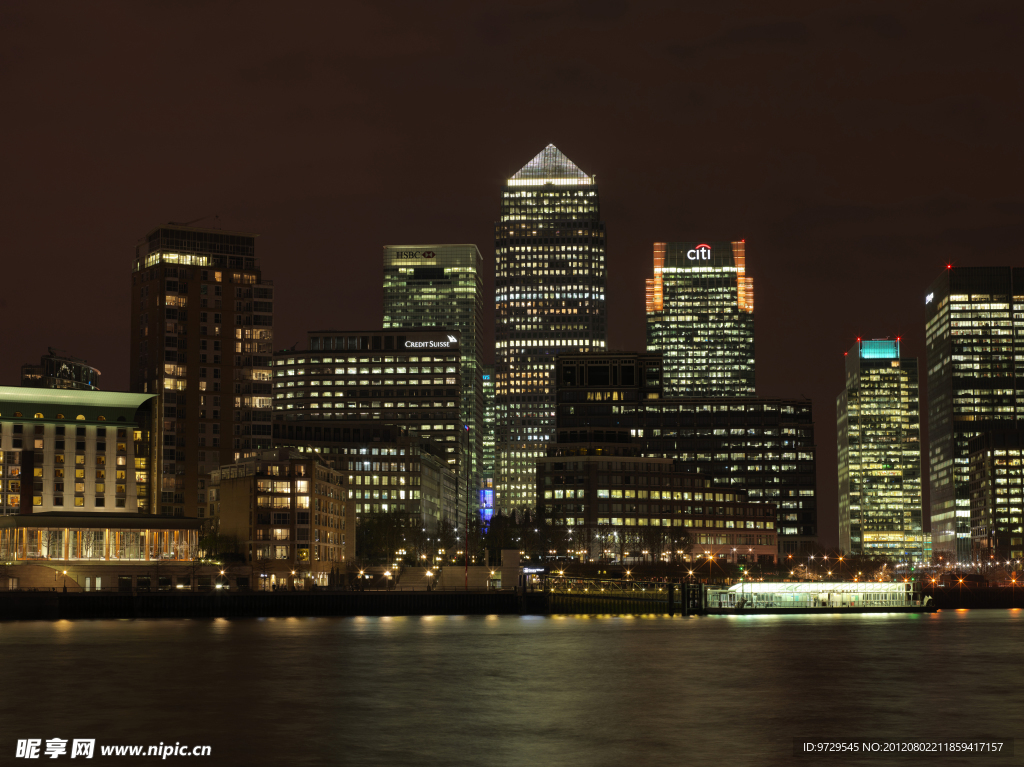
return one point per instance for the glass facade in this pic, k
(879, 444)
(700, 316)
(973, 317)
(550, 282)
(440, 286)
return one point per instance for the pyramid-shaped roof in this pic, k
(550, 164)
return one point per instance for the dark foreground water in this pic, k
(514, 691)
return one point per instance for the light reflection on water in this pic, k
(463, 690)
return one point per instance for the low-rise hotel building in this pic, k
(77, 496)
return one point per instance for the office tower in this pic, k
(550, 280)
(973, 317)
(487, 473)
(386, 390)
(613, 404)
(440, 286)
(700, 316)
(612, 508)
(997, 496)
(202, 332)
(58, 370)
(879, 440)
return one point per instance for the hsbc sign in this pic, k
(700, 253)
(415, 254)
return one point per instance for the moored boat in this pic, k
(759, 597)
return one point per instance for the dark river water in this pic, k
(515, 691)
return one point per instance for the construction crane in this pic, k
(195, 221)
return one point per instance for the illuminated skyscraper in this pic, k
(975, 385)
(700, 316)
(550, 280)
(879, 440)
(440, 286)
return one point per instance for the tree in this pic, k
(263, 563)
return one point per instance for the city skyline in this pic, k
(828, 537)
(802, 188)
(499, 344)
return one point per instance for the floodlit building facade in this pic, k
(202, 329)
(440, 286)
(974, 320)
(550, 275)
(76, 450)
(700, 316)
(997, 496)
(879, 444)
(77, 496)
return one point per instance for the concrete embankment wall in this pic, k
(58, 606)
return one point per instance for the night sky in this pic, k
(857, 149)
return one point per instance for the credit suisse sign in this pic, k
(447, 342)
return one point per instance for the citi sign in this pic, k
(414, 254)
(700, 253)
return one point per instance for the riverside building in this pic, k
(76, 491)
(617, 503)
(440, 287)
(974, 316)
(550, 275)
(289, 513)
(613, 402)
(700, 316)
(76, 450)
(879, 443)
(202, 328)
